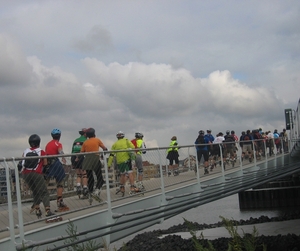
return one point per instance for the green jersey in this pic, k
(78, 143)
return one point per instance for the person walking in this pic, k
(229, 147)
(92, 164)
(284, 137)
(202, 150)
(32, 170)
(78, 160)
(139, 144)
(173, 156)
(125, 161)
(277, 141)
(270, 140)
(247, 149)
(218, 147)
(55, 168)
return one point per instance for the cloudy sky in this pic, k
(162, 68)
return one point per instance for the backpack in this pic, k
(258, 135)
(229, 138)
(31, 163)
(134, 143)
(246, 138)
(200, 140)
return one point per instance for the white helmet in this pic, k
(120, 134)
(139, 135)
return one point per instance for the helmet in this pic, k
(227, 132)
(139, 135)
(90, 132)
(232, 132)
(55, 131)
(34, 140)
(174, 138)
(208, 130)
(120, 134)
(201, 132)
(82, 131)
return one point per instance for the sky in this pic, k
(162, 68)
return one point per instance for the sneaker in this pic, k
(61, 206)
(141, 185)
(85, 191)
(96, 194)
(78, 190)
(32, 209)
(133, 188)
(38, 212)
(49, 213)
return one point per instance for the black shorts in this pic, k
(77, 164)
(205, 154)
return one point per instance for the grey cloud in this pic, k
(14, 69)
(98, 39)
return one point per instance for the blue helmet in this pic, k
(55, 131)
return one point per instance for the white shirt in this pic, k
(219, 140)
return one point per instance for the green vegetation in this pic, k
(238, 243)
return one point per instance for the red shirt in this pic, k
(39, 168)
(52, 147)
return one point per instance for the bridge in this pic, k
(117, 217)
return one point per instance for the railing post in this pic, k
(241, 159)
(197, 167)
(189, 159)
(109, 209)
(162, 178)
(107, 185)
(254, 152)
(266, 153)
(9, 204)
(222, 161)
(19, 202)
(275, 152)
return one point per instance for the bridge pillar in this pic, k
(275, 194)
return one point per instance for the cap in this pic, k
(82, 131)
